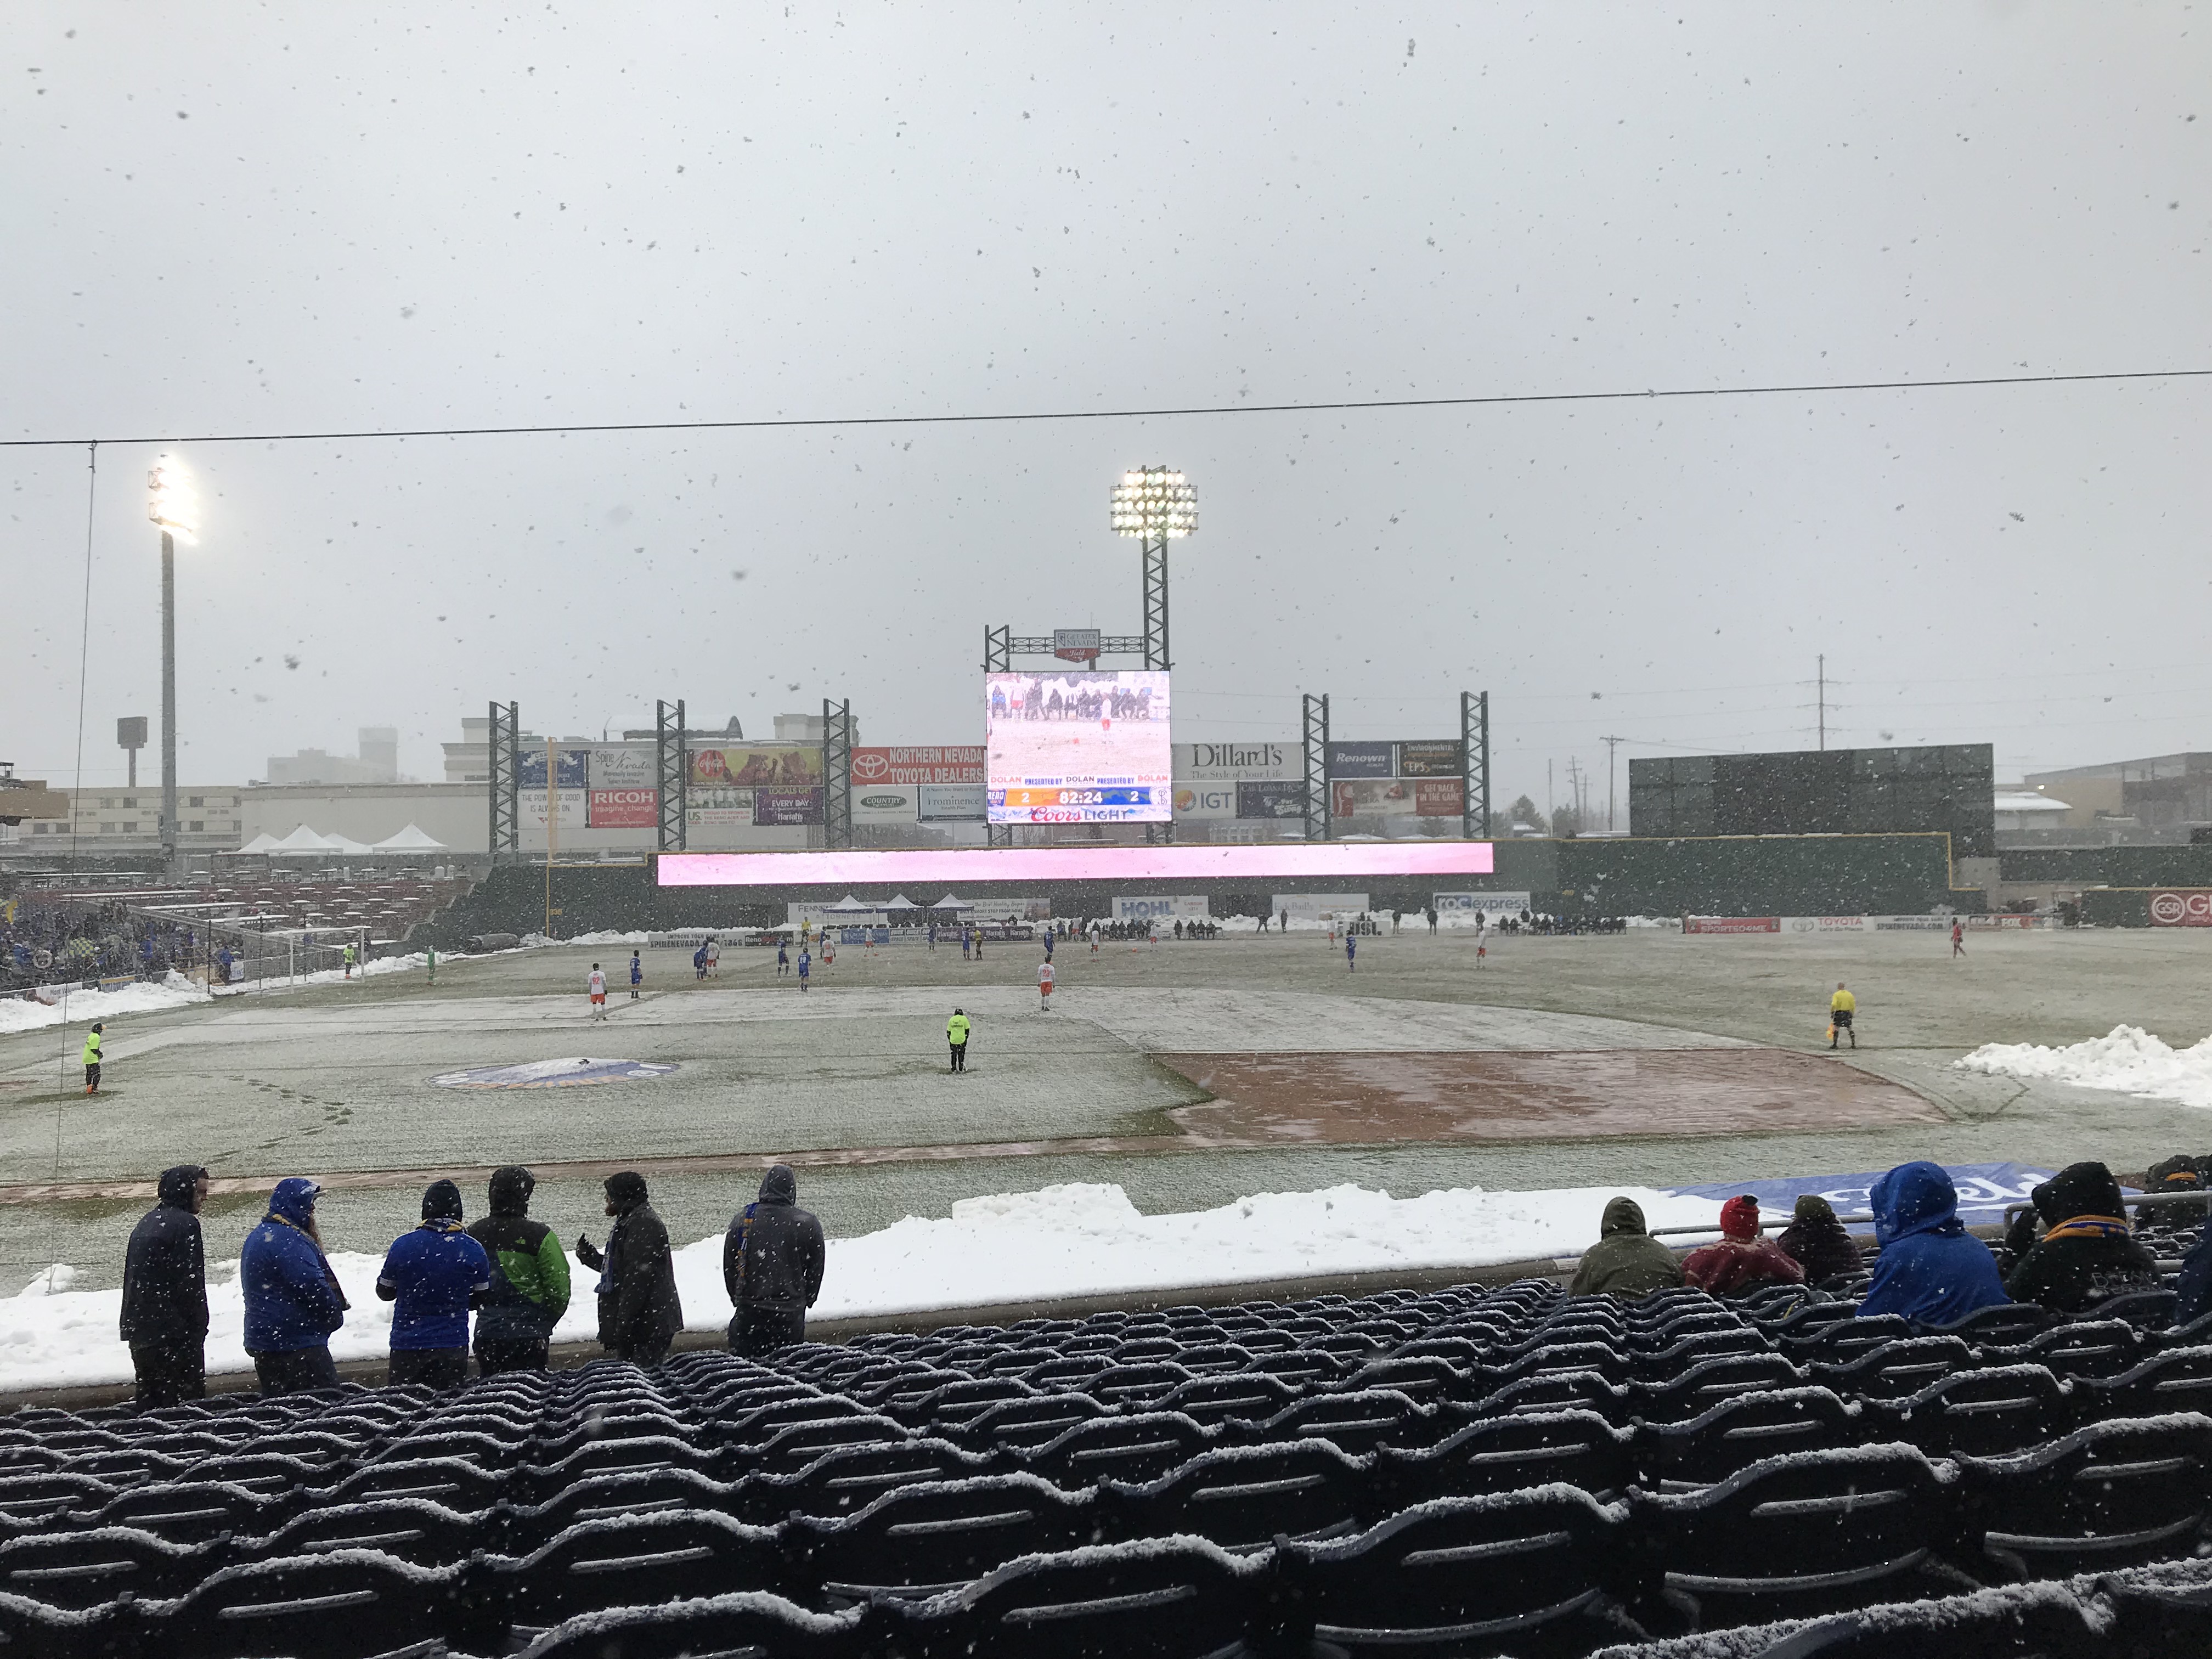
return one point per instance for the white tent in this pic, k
(948, 902)
(901, 901)
(346, 845)
(413, 839)
(303, 840)
(849, 906)
(264, 842)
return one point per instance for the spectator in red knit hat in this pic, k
(1742, 1258)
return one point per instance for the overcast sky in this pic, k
(225, 218)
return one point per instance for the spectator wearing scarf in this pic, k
(2087, 1252)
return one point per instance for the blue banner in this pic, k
(1985, 1189)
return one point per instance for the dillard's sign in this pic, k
(1234, 763)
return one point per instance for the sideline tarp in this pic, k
(1985, 1189)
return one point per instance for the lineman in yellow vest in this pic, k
(956, 1033)
(1841, 1007)
(92, 1060)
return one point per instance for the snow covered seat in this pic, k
(1894, 1369)
(31, 1494)
(1214, 1398)
(1030, 1421)
(411, 1528)
(1553, 1391)
(1241, 1496)
(756, 1625)
(534, 1482)
(82, 1569)
(2001, 1325)
(2081, 1347)
(1697, 1386)
(1425, 1376)
(1803, 1533)
(1734, 1433)
(1990, 1411)
(1137, 1387)
(453, 1481)
(793, 1446)
(951, 1404)
(487, 1451)
(1303, 1368)
(645, 1491)
(1133, 1447)
(632, 1561)
(191, 1511)
(846, 1479)
(1167, 1598)
(1507, 1453)
(754, 1425)
(2110, 1494)
(340, 1604)
(1525, 1572)
(1840, 1339)
(2150, 1310)
(1355, 1422)
(1543, 1358)
(2170, 1380)
(920, 1539)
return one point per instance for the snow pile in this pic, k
(1073, 1240)
(76, 1007)
(371, 969)
(605, 936)
(2127, 1060)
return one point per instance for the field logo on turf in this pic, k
(554, 1075)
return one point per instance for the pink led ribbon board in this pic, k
(1324, 860)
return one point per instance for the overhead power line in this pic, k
(1361, 406)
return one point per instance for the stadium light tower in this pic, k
(169, 503)
(1155, 505)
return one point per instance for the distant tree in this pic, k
(1567, 822)
(1522, 811)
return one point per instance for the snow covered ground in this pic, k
(2127, 1060)
(76, 1007)
(1073, 1240)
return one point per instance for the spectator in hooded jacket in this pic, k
(1816, 1241)
(1931, 1268)
(2193, 1294)
(529, 1279)
(2087, 1252)
(1742, 1258)
(2177, 1176)
(639, 1310)
(772, 1260)
(292, 1300)
(1626, 1260)
(165, 1307)
(431, 1277)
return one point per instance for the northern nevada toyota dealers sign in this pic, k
(957, 763)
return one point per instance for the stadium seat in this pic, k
(920, 1540)
(1736, 1433)
(2171, 1380)
(1800, 1534)
(1027, 1422)
(454, 1482)
(406, 1529)
(521, 1529)
(2110, 1494)
(848, 1479)
(1892, 1369)
(1243, 1496)
(1136, 1388)
(191, 1511)
(1524, 1572)
(1506, 1453)
(2150, 1310)
(1133, 1449)
(1697, 1387)
(633, 1561)
(2002, 1324)
(755, 1626)
(340, 1605)
(793, 1446)
(1355, 1422)
(2086, 1347)
(1997, 1409)
(1557, 1391)
(1838, 1340)
(34, 1493)
(80, 1569)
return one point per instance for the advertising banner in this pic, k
(758, 765)
(1733, 925)
(952, 803)
(775, 808)
(1424, 798)
(1267, 800)
(1317, 907)
(1361, 760)
(1169, 907)
(529, 806)
(1237, 762)
(1204, 800)
(722, 807)
(626, 767)
(947, 763)
(1440, 757)
(1490, 904)
(530, 768)
(2183, 907)
(624, 809)
(1424, 863)
(1088, 748)
(1825, 924)
(1983, 1190)
(1438, 798)
(886, 804)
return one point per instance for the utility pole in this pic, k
(1611, 744)
(1821, 682)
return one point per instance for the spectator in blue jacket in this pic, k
(431, 1276)
(1930, 1269)
(2193, 1294)
(293, 1302)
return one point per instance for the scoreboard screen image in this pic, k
(1079, 748)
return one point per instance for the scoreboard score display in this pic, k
(1078, 747)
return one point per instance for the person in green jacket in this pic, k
(1625, 1261)
(529, 1279)
(92, 1060)
(956, 1033)
(350, 958)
